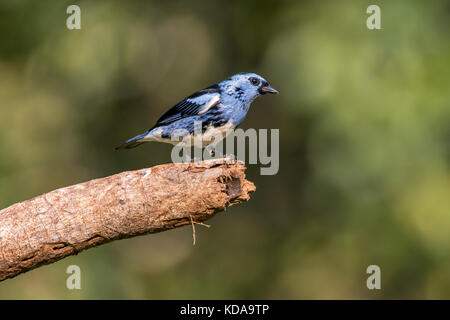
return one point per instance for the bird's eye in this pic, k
(254, 81)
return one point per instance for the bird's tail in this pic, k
(133, 142)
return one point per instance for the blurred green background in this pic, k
(364, 119)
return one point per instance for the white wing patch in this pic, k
(215, 100)
(207, 100)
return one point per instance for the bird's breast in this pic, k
(212, 133)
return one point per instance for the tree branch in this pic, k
(66, 221)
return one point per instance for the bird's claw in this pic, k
(231, 158)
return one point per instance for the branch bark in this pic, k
(66, 221)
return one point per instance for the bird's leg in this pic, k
(194, 159)
(188, 159)
(230, 155)
(231, 158)
(197, 155)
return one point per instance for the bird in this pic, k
(219, 109)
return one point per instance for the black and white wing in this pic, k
(197, 103)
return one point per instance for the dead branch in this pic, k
(66, 221)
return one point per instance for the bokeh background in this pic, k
(364, 119)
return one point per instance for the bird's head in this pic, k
(246, 86)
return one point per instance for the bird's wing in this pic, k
(197, 103)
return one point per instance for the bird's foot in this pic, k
(231, 158)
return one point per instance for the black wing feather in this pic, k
(186, 108)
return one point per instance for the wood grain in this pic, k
(66, 221)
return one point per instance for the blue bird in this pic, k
(218, 108)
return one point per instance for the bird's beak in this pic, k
(267, 89)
